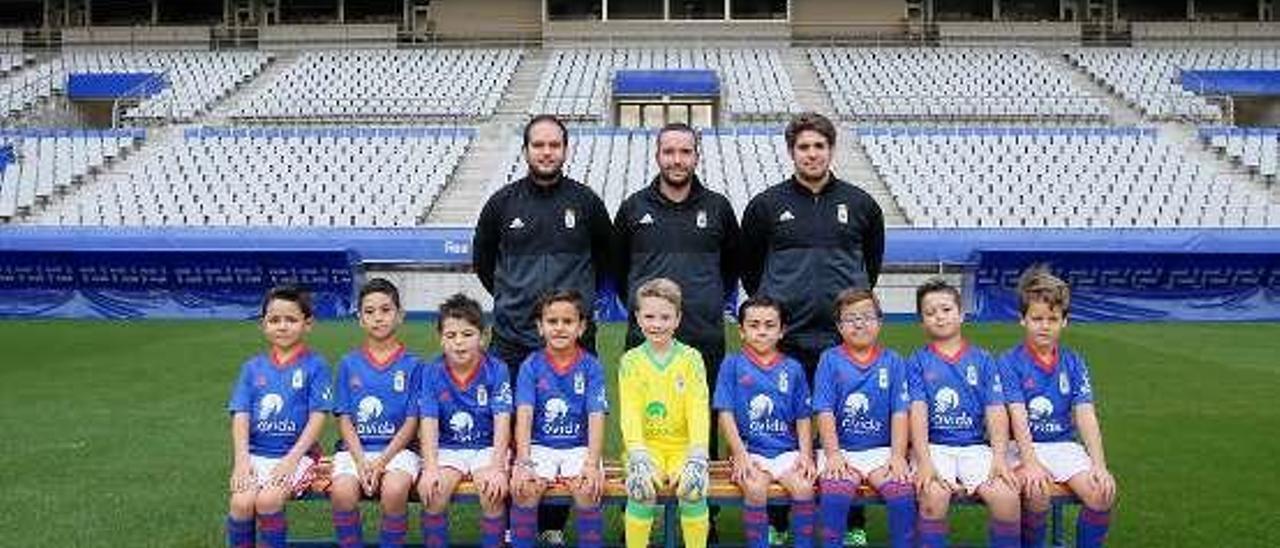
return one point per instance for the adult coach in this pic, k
(541, 233)
(676, 228)
(809, 238)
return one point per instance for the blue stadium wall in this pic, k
(1117, 275)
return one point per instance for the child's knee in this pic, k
(270, 501)
(492, 506)
(797, 488)
(755, 492)
(1092, 499)
(935, 500)
(243, 505)
(1035, 501)
(395, 491)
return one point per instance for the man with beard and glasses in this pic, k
(676, 228)
(539, 234)
(811, 237)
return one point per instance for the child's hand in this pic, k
(1036, 477)
(837, 468)
(926, 476)
(1000, 471)
(642, 476)
(523, 478)
(694, 478)
(242, 478)
(805, 468)
(282, 474)
(743, 469)
(591, 480)
(429, 479)
(371, 474)
(899, 471)
(492, 482)
(1106, 484)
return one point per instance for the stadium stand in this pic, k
(1255, 148)
(43, 161)
(196, 79)
(1055, 177)
(616, 162)
(321, 177)
(1149, 77)
(386, 85)
(754, 81)
(963, 83)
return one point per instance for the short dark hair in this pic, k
(810, 121)
(761, 301)
(681, 127)
(461, 307)
(564, 131)
(292, 293)
(935, 285)
(1039, 285)
(380, 285)
(853, 296)
(571, 296)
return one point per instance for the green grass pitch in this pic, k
(115, 434)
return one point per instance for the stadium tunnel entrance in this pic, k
(654, 98)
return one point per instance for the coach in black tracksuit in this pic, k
(541, 233)
(678, 229)
(805, 240)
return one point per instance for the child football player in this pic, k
(665, 416)
(1050, 405)
(466, 424)
(278, 407)
(560, 409)
(376, 404)
(957, 402)
(861, 401)
(762, 397)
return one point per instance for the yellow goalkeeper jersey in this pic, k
(664, 406)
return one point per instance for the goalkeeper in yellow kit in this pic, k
(665, 415)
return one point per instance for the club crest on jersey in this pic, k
(579, 384)
(883, 378)
(570, 218)
(783, 385)
(297, 379)
(398, 383)
(355, 383)
(516, 224)
(679, 383)
(786, 216)
(482, 396)
(971, 375)
(702, 219)
(646, 220)
(1064, 384)
(842, 214)
(260, 381)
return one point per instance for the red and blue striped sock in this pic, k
(590, 523)
(435, 529)
(348, 528)
(755, 523)
(802, 517)
(1033, 528)
(1003, 534)
(933, 532)
(491, 529)
(524, 526)
(240, 533)
(833, 508)
(274, 530)
(394, 528)
(900, 500)
(1091, 527)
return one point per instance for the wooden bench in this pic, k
(722, 493)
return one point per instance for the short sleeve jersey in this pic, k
(1050, 389)
(465, 407)
(562, 397)
(279, 397)
(766, 400)
(862, 396)
(378, 396)
(957, 390)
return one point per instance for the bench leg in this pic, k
(1058, 534)
(670, 522)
